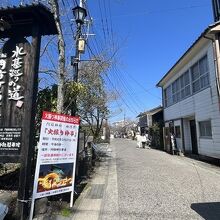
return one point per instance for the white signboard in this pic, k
(56, 160)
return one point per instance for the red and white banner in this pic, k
(56, 160)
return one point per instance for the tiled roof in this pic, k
(151, 111)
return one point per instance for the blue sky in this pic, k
(144, 38)
(150, 37)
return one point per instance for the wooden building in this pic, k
(191, 101)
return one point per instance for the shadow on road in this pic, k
(209, 211)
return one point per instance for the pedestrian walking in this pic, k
(138, 136)
(143, 141)
(173, 143)
(148, 141)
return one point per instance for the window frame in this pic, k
(205, 134)
(173, 94)
(176, 91)
(177, 128)
(200, 75)
(184, 84)
(168, 100)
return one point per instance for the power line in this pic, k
(111, 22)
(66, 12)
(141, 86)
(74, 1)
(113, 86)
(106, 21)
(91, 52)
(103, 28)
(161, 11)
(129, 91)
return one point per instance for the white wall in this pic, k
(203, 105)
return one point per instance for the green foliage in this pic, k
(65, 212)
(74, 88)
(47, 98)
(92, 103)
(90, 93)
(155, 128)
(156, 133)
(46, 101)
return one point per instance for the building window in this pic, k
(176, 90)
(177, 132)
(200, 75)
(205, 129)
(168, 96)
(185, 85)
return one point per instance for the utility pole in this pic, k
(82, 3)
(80, 14)
(124, 116)
(76, 65)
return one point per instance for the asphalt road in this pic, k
(152, 184)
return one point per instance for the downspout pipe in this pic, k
(216, 54)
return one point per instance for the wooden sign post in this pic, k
(19, 62)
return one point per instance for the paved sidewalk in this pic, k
(99, 199)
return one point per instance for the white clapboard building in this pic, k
(191, 97)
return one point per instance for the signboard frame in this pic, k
(57, 153)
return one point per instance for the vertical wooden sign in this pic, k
(15, 103)
(19, 61)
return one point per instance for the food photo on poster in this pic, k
(55, 176)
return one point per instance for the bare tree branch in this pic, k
(48, 43)
(61, 48)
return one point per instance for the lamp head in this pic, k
(79, 14)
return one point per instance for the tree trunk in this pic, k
(61, 48)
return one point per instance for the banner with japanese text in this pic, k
(56, 160)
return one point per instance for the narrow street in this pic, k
(150, 184)
(155, 185)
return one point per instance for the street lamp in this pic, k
(79, 14)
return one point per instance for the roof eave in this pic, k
(22, 19)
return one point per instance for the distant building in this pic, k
(191, 97)
(121, 123)
(151, 122)
(148, 118)
(124, 128)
